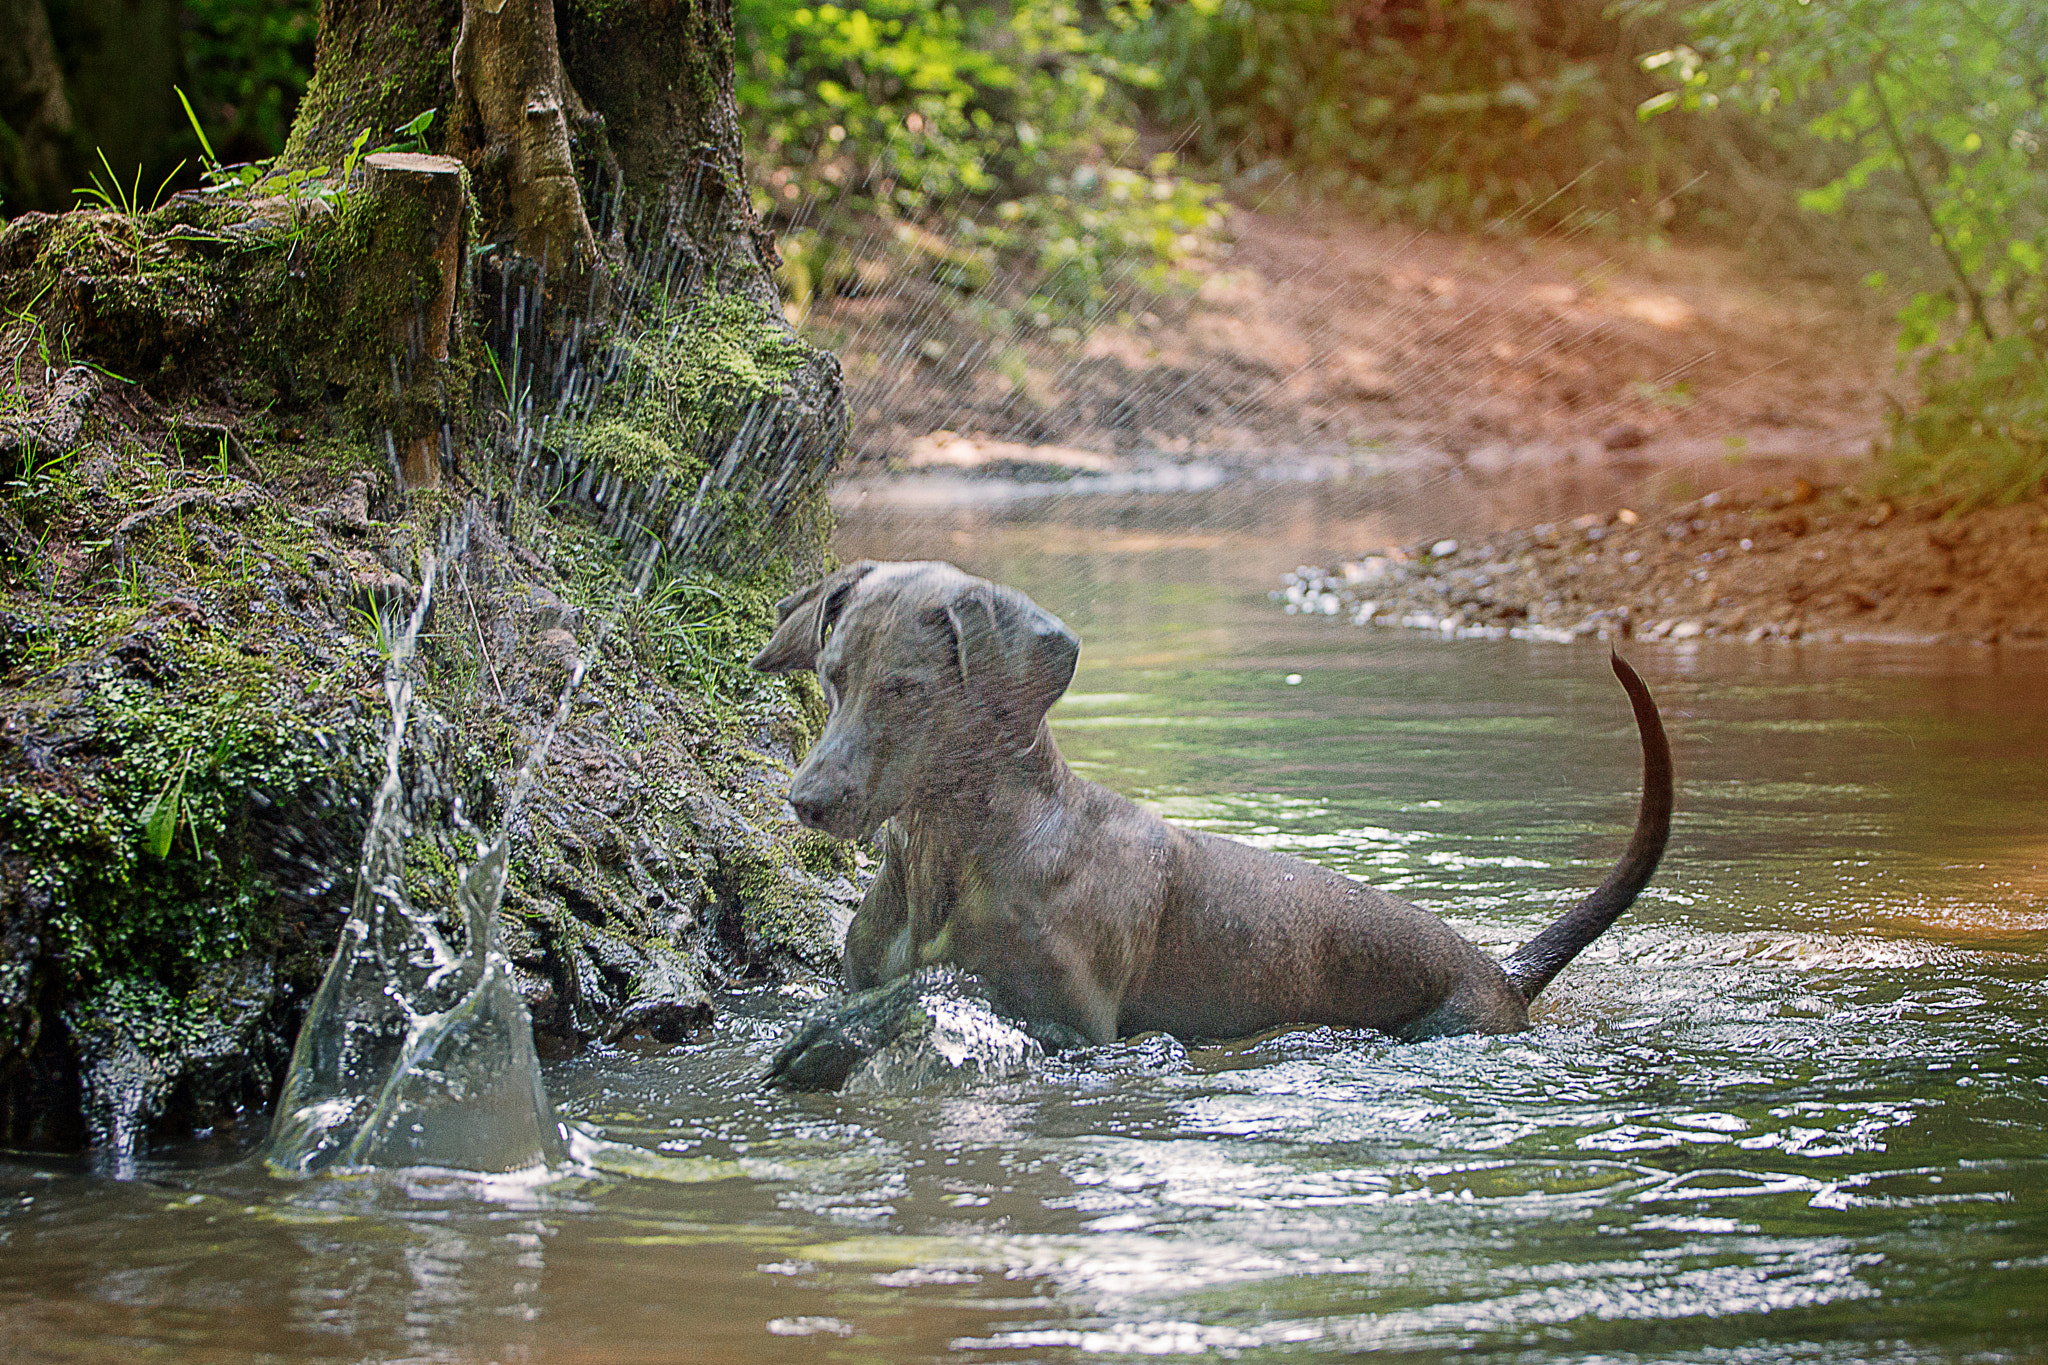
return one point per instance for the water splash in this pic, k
(417, 1052)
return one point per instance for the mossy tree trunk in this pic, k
(548, 104)
(602, 149)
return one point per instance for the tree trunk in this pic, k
(603, 152)
(633, 103)
(661, 80)
(514, 105)
(35, 117)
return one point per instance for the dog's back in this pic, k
(1249, 940)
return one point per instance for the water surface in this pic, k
(1794, 1107)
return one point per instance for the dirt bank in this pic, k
(1699, 437)
(1796, 563)
(1322, 333)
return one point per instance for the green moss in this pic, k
(123, 906)
(777, 913)
(159, 1022)
(705, 361)
(632, 443)
(397, 65)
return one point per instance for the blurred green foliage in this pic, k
(989, 147)
(118, 64)
(1443, 114)
(249, 62)
(1943, 107)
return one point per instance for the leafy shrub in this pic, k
(992, 135)
(1981, 430)
(1944, 106)
(1095, 233)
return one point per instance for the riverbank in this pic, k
(210, 544)
(1792, 563)
(1320, 333)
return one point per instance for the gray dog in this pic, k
(1078, 908)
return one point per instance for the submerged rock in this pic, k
(935, 1027)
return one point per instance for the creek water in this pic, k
(1794, 1107)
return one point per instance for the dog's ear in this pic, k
(804, 618)
(1013, 654)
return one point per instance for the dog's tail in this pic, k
(1532, 965)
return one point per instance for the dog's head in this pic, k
(932, 675)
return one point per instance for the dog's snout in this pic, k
(811, 810)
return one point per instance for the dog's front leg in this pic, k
(878, 946)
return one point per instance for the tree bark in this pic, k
(376, 64)
(35, 117)
(420, 196)
(660, 78)
(513, 108)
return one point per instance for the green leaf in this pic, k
(1656, 105)
(160, 820)
(160, 816)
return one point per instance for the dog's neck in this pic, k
(1001, 793)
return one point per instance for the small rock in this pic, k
(184, 609)
(1443, 549)
(556, 652)
(350, 512)
(547, 611)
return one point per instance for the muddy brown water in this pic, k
(1794, 1107)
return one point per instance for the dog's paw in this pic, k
(934, 1026)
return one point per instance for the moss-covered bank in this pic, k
(203, 552)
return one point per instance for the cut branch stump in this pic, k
(415, 212)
